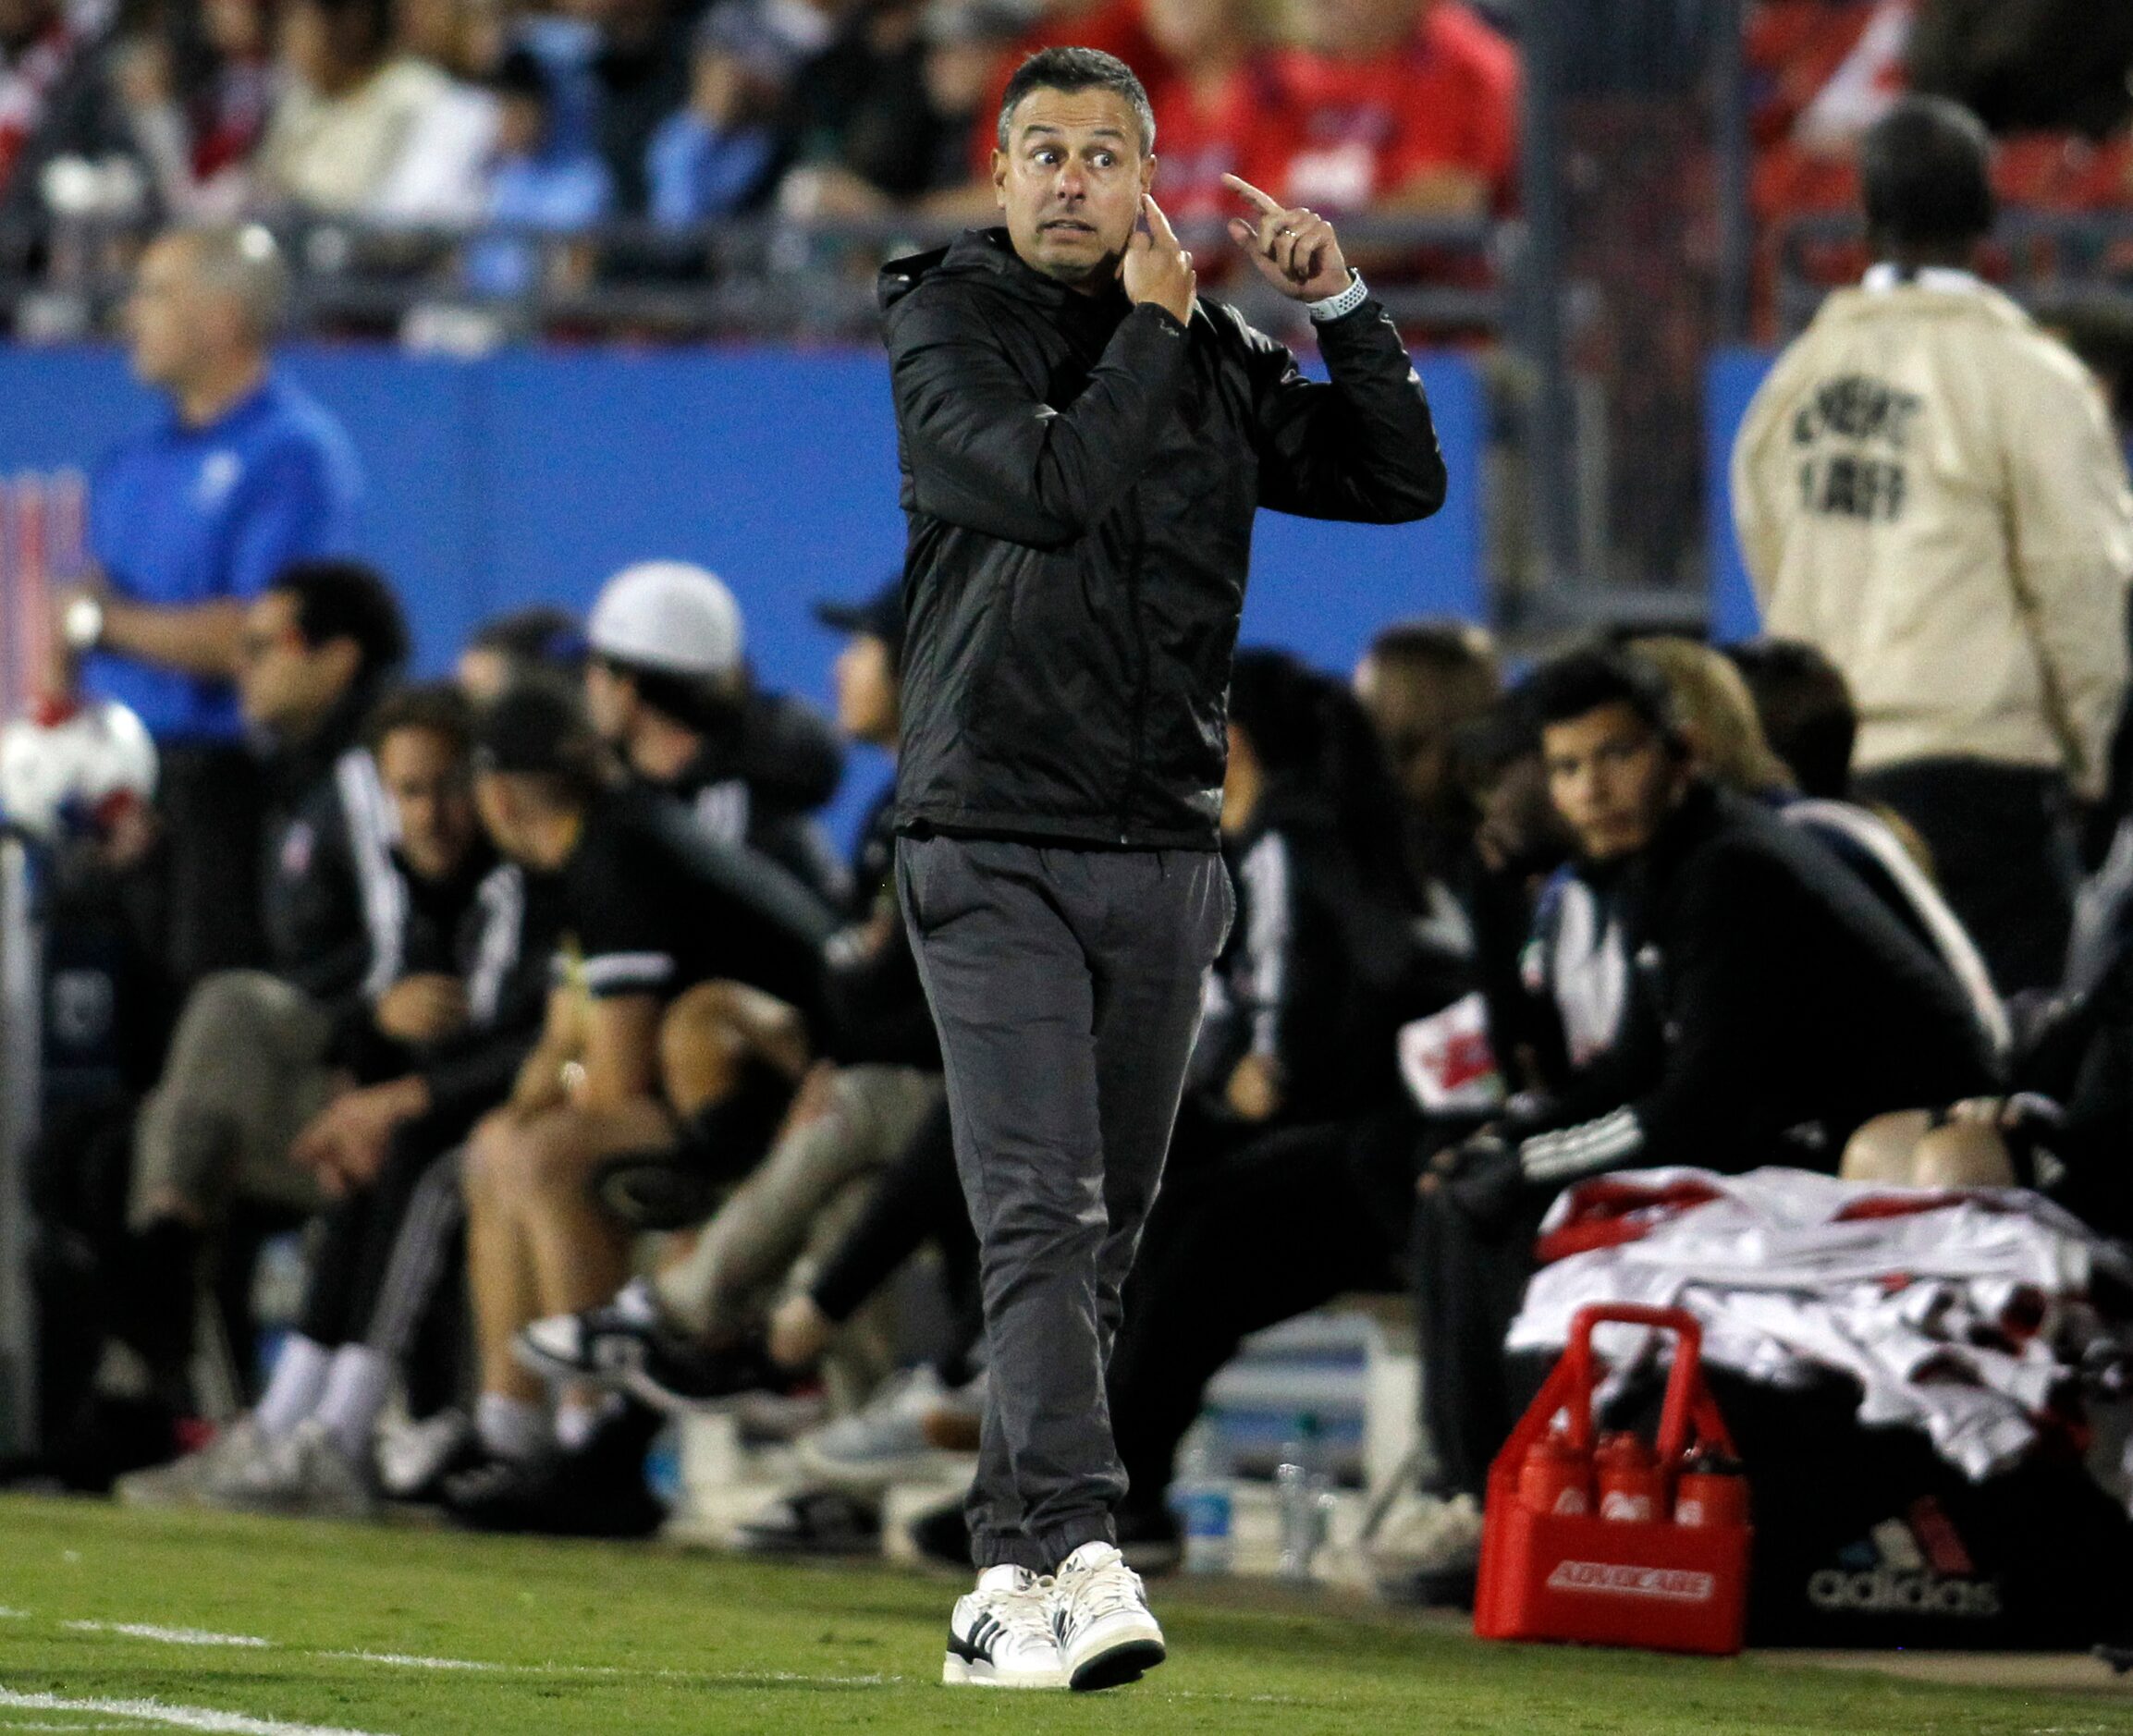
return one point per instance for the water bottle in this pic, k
(1300, 1490)
(1200, 1499)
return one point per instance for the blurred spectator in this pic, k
(1773, 1009)
(507, 649)
(247, 1065)
(1397, 105)
(640, 74)
(667, 685)
(1806, 712)
(1209, 100)
(965, 41)
(717, 154)
(198, 125)
(2028, 66)
(347, 111)
(1422, 683)
(664, 922)
(539, 181)
(1928, 489)
(450, 1002)
(187, 523)
(441, 174)
(67, 142)
(864, 134)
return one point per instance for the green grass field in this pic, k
(120, 1621)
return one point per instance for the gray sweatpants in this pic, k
(1066, 985)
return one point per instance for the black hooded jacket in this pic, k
(1080, 477)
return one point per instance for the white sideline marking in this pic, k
(170, 1636)
(159, 1711)
(409, 1660)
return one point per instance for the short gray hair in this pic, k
(244, 261)
(1079, 69)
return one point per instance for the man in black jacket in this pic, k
(1083, 445)
(1773, 1004)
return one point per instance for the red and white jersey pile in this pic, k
(1966, 1314)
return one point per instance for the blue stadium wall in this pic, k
(1729, 382)
(531, 475)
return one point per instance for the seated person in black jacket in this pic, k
(690, 1330)
(667, 685)
(252, 1056)
(1773, 1005)
(453, 998)
(653, 907)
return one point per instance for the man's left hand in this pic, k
(1295, 251)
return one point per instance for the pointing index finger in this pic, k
(1159, 224)
(1267, 204)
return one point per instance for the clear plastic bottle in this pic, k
(1300, 1488)
(1200, 1499)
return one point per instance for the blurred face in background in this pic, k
(1070, 182)
(334, 49)
(866, 692)
(180, 326)
(1192, 31)
(1418, 714)
(284, 684)
(236, 28)
(1612, 778)
(425, 776)
(1356, 30)
(610, 701)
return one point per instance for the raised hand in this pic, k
(1295, 251)
(1156, 268)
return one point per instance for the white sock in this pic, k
(292, 1392)
(511, 1428)
(577, 1420)
(355, 1393)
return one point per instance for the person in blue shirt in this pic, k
(546, 178)
(188, 522)
(716, 154)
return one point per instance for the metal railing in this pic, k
(763, 279)
(2054, 262)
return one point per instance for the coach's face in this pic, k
(1071, 181)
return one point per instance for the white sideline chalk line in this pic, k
(170, 1636)
(411, 1660)
(160, 1711)
(416, 1660)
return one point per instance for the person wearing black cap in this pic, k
(654, 911)
(684, 1332)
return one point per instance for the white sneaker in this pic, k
(883, 1441)
(189, 1481)
(1426, 1549)
(1000, 1634)
(1099, 1613)
(301, 1471)
(1428, 1533)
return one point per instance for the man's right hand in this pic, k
(422, 1008)
(1156, 268)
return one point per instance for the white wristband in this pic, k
(1347, 301)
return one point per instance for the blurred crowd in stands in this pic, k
(673, 114)
(2049, 78)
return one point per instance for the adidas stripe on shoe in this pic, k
(1000, 1634)
(1107, 1634)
